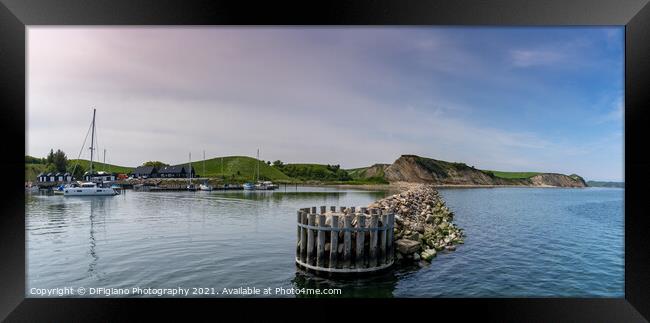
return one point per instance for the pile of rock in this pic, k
(423, 223)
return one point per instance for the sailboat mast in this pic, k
(104, 166)
(204, 163)
(92, 143)
(257, 177)
(189, 170)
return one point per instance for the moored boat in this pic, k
(266, 186)
(88, 189)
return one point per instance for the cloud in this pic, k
(351, 96)
(527, 58)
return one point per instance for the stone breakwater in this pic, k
(423, 223)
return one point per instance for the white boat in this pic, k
(249, 186)
(89, 188)
(266, 186)
(205, 186)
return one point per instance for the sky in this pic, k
(547, 99)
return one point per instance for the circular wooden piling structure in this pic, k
(350, 241)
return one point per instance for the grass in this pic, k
(97, 166)
(360, 175)
(512, 175)
(315, 172)
(32, 171)
(240, 169)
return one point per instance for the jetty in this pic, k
(352, 240)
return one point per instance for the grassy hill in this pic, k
(512, 175)
(32, 171)
(239, 168)
(314, 172)
(373, 174)
(606, 184)
(100, 166)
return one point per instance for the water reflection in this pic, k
(97, 212)
(377, 285)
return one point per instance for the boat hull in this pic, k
(89, 191)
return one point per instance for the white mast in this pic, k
(189, 174)
(92, 144)
(204, 163)
(257, 177)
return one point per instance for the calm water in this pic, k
(521, 242)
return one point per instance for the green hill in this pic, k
(32, 171)
(512, 175)
(315, 172)
(606, 184)
(97, 166)
(372, 174)
(239, 168)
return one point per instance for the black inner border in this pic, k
(634, 14)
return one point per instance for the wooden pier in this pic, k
(352, 240)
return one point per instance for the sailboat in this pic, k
(89, 188)
(263, 185)
(250, 186)
(205, 186)
(190, 186)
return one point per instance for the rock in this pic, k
(428, 254)
(406, 246)
(450, 248)
(415, 236)
(430, 218)
(416, 257)
(419, 228)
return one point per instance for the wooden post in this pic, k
(310, 239)
(322, 211)
(391, 233)
(352, 209)
(320, 246)
(382, 238)
(364, 210)
(298, 242)
(372, 261)
(347, 241)
(334, 241)
(343, 209)
(361, 223)
(303, 237)
(313, 210)
(333, 208)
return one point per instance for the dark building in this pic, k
(99, 177)
(145, 172)
(178, 171)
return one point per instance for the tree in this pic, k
(60, 160)
(268, 162)
(77, 172)
(278, 164)
(157, 164)
(50, 157)
(333, 168)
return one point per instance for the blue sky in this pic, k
(516, 99)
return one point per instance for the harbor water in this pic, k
(521, 242)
